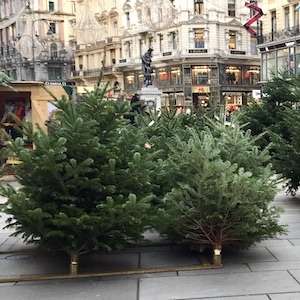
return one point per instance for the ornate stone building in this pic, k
(202, 52)
(279, 42)
(98, 33)
(37, 39)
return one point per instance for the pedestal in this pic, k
(151, 96)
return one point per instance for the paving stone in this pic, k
(168, 259)
(72, 290)
(238, 298)
(275, 266)
(228, 268)
(286, 253)
(217, 285)
(296, 274)
(25, 264)
(109, 262)
(291, 296)
(289, 218)
(274, 243)
(254, 254)
(293, 231)
(295, 242)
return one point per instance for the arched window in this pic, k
(53, 50)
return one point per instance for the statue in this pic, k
(147, 69)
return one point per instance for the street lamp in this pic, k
(29, 10)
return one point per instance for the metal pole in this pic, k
(33, 45)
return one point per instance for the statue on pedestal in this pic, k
(147, 68)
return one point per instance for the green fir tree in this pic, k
(85, 185)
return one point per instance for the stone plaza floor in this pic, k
(269, 270)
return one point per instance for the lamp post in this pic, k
(29, 10)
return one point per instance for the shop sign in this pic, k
(60, 83)
(238, 52)
(197, 50)
(201, 89)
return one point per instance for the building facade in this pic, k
(202, 53)
(279, 40)
(98, 34)
(37, 39)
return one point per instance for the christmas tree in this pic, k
(223, 189)
(85, 185)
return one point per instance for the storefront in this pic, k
(30, 101)
(279, 59)
(201, 96)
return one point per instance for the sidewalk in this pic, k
(270, 270)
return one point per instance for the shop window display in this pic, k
(233, 75)
(283, 60)
(251, 75)
(271, 65)
(200, 75)
(12, 113)
(176, 76)
(163, 77)
(130, 82)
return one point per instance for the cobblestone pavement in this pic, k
(267, 271)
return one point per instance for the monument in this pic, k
(149, 94)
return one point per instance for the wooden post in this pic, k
(74, 264)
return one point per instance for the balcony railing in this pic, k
(279, 35)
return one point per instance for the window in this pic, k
(283, 60)
(127, 18)
(253, 45)
(51, 6)
(199, 38)
(115, 28)
(231, 8)
(128, 49)
(161, 40)
(113, 56)
(53, 50)
(296, 15)
(287, 17)
(52, 27)
(164, 77)
(173, 40)
(271, 65)
(200, 75)
(139, 15)
(149, 16)
(273, 23)
(55, 73)
(232, 39)
(176, 76)
(160, 14)
(150, 42)
(130, 83)
(233, 75)
(141, 42)
(251, 75)
(264, 74)
(198, 7)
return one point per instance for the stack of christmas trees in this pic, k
(97, 182)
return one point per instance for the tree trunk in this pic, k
(74, 264)
(217, 257)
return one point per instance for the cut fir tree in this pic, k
(221, 199)
(85, 186)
